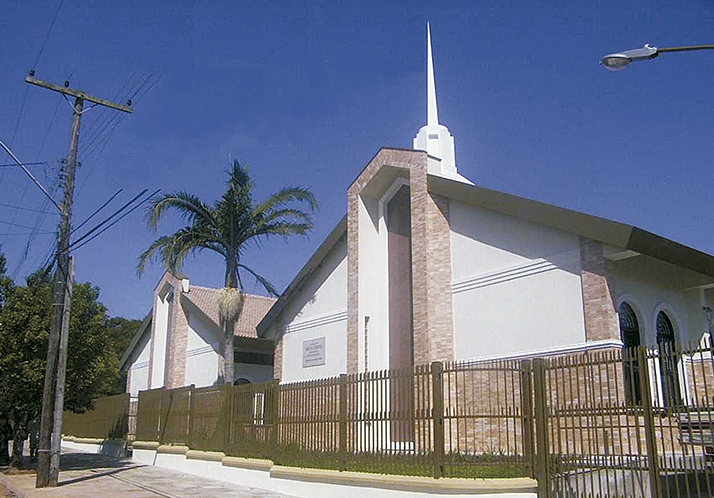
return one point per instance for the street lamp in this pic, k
(620, 60)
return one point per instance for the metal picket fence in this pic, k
(608, 423)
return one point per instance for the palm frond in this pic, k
(287, 195)
(284, 213)
(261, 280)
(189, 206)
(173, 249)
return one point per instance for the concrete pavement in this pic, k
(86, 475)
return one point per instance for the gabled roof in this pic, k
(607, 231)
(254, 309)
(205, 300)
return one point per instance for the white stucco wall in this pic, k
(319, 309)
(516, 284)
(202, 352)
(649, 286)
(139, 370)
(161, 322)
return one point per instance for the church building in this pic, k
(179, 342)
(427, 266)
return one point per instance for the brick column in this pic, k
(431, 273)
(278, 358)
(431, 260)
(601, 320)
(177, 340)
(352, 280)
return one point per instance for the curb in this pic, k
(6, 482)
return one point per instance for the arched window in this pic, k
(630, 333)
(667, 360)
(241, 382)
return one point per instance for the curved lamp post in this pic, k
(620, 60)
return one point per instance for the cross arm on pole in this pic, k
(77, 93)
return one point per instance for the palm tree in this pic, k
(227, 227)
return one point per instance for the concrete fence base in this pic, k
(110, 447)
(309, 483)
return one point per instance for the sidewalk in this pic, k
(85, 475)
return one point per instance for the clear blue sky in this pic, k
(305, 93)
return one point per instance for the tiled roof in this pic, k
(254, 308)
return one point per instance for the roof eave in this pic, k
(317, 257)
(137, 337)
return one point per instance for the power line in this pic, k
(15, 225)
(109, 218)
(76, 247)
(97, 210)
(42, 47)
(11, 234)
(26, 209)
(15, 165)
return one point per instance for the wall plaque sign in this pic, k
(313, 352)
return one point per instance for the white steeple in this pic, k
(435, 138)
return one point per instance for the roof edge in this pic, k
(304, 273)
(137, 337)
(590, 226)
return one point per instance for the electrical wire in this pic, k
(11, 234)
(76, 247)
(15, 165)
(115, 213)
(96, 211)
(44, 42)
(27, 209)
(15, 224)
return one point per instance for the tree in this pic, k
(227, 227)
(6, 286)
(92, 368)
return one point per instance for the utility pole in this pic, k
(48, 452)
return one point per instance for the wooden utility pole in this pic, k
(48, 452)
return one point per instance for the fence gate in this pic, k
(626, 423)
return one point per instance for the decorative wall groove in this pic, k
(317, 321)
(202, 350)
(512, 273)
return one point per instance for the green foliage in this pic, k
(6, 284)
(92, 357)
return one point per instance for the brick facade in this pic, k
(176, 336)
(601, 320)
(177, 341)
(431, 259)
(278, 358)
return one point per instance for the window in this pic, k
(667, 360)
(630, 333)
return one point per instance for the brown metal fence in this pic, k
(108, 419)
(608, 423)
(488, 419)
(632, 423)
(432, 420)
